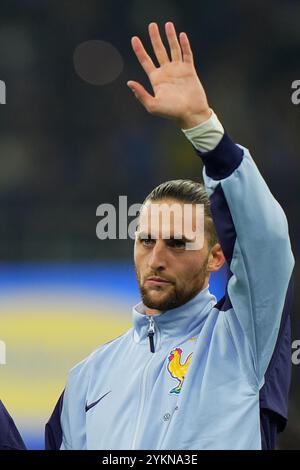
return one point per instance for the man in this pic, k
(10, 438)
(192, 373)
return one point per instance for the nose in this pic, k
(158, 256)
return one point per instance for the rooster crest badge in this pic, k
(177, 370)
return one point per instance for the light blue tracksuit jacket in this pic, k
(199, 387)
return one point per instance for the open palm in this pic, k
(178, 92)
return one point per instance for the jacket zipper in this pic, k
(151, 331)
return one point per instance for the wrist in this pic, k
(193, 120)
(207, 135)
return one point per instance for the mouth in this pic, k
(157, 281)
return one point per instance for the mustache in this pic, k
(165, 278)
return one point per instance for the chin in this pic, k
(155, 300)
(159, 302)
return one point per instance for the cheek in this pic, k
(191, 267)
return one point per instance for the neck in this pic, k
(151, 311)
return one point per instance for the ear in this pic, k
(216, 258)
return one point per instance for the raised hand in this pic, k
(178, 92)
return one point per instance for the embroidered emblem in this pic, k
(177, 370)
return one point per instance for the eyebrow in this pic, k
(147, 236)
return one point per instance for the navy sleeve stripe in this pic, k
(226, 234)
(53, 430)
(270, 422)
(274, 393)
(222, 161)
(10, 438)
(223, 222)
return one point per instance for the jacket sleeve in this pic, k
(10, 438)
(253, 232)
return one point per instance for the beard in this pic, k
(167, 298)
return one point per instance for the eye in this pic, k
(178, 244)
(147, 241)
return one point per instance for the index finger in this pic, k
(142, 56)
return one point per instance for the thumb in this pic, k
(141, 94)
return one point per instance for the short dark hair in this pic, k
(187, 191)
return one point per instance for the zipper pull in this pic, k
(151, 331)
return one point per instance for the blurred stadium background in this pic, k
(67, 146)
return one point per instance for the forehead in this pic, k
(169, 216)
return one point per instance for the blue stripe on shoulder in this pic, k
(226, 234)
(223, 222)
